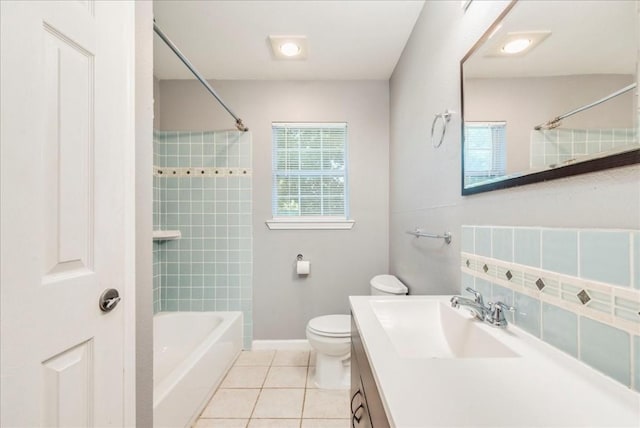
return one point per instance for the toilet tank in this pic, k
(387, 285)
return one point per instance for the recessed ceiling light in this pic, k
(289, 47)
(516, 46)
(516, 43)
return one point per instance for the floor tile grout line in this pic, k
(266, 376)
(304, 393)
(254, 407)
(260, 391)
(304, 397)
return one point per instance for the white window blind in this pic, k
(309, 170)
(484, 151)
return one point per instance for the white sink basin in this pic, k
(427, 358)
(433, 329)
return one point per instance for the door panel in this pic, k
(68, 159)
(67, 140)
(67, 388)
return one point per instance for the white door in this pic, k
(66, 127)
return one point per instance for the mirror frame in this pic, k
(592, 165)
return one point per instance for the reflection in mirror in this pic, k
(552, 84)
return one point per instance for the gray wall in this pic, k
(156, 103)
(528, 101)
(342, 261)
(425, 182)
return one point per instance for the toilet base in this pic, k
(332, 372)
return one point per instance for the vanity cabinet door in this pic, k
(358, 404)
(362, 380)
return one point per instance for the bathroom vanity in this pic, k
(418, 362)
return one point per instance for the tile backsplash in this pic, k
(576, 289)
(202, 187)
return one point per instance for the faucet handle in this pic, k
(503, 306)
(476, 294)
(496, 311)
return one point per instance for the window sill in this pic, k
(309, 224)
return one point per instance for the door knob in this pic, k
(109, 299)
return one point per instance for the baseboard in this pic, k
(286, 345)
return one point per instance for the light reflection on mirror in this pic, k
(578, 52)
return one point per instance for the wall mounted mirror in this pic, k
(550, 91)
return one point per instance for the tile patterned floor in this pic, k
(273, 389)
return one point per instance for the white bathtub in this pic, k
(192, 352)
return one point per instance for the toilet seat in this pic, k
(331, 326)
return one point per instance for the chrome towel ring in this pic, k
(445, 117)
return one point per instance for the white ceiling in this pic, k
(348, 39)
(587, 37)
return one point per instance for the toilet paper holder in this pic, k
(302, 266)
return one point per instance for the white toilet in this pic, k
(330, 337)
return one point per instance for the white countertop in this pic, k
(543, 387)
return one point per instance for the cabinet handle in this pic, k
(358, 392)
(355, 418)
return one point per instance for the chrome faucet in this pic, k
(476, 305)
(493, 313)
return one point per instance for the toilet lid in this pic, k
(331, 325)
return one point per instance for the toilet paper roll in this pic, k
(303, 267)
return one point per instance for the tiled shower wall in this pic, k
(557, 146)
(202, 188)
(576, 289)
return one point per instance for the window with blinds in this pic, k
(309, 170)
(485, 155)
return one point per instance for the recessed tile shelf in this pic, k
(166, 235)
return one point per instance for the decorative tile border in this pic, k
(609, 304)
(201, 172)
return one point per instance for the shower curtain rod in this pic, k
(555, 122)
(239, 125)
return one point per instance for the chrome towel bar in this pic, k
(419, 233)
